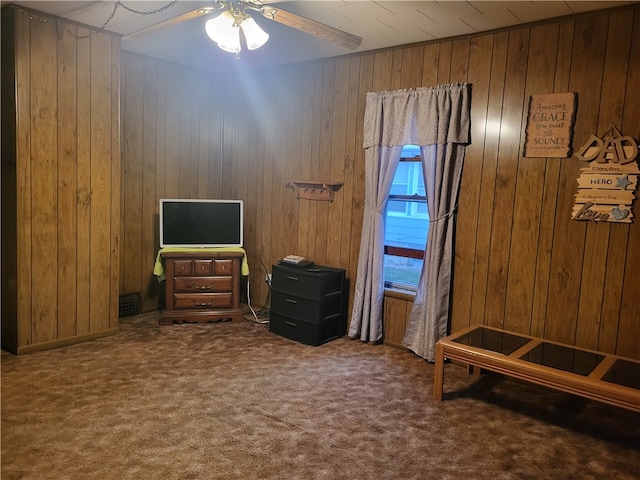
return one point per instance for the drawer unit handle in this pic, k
(295, 279)
(202, 304)
(290, 323)
(290, 300)
(206, 287)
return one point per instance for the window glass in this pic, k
(406, 223)
(401, 272)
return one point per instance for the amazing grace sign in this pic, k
(550, 125)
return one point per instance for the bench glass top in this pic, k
(624, 372)
(493, 340)
(563, 358)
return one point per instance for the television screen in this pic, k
(200, 223)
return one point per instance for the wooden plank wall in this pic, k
(521, 263)
(65, 162)
(171, 148)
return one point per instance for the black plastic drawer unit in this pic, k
(308, 305)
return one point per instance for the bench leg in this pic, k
(439, 373)
(473, 370)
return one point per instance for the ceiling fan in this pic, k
(232, 16)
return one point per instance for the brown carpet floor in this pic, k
(233, 401)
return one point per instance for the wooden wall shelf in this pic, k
(315, 190)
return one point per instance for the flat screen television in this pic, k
(200, 223)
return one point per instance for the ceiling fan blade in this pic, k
(312, 27)
(185, 17)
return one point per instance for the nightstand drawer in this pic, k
(183, 267)
(202, 301)
(223, 267)
(206, 267)
(201, 284)
(203, 267)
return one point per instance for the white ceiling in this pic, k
(380, 23)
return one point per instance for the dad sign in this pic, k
(606, 187)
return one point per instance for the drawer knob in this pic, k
(202, 304)
(290, 300)
(202, 268)
(202, 287)
(295, 279)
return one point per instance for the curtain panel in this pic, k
(438, 120)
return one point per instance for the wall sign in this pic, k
(550, 122)
(606, 187)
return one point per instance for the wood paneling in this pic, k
(607, 278)
(83, 186)
(9, 182)
(44, 180)
(62, 125)
(552, 281)
(171, 141)
(397, 311)
(67, 184)
(521, 262)
(628, 326)
(468, 204)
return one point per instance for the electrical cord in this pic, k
(94, 30)
(261, 320)
(259, 315)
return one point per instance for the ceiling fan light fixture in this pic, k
(224, 31)
(232, 43)
(253, 34)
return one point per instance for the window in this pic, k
(406, 223)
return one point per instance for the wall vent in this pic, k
(130, 304)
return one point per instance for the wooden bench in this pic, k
(595, 375)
